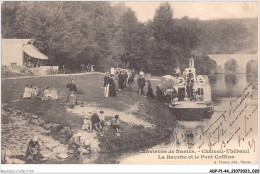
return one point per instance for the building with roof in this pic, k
(21, 52)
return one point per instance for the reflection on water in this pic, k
(229, 85)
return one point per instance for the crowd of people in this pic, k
(95, 121)
(125, 78)
(34, 92)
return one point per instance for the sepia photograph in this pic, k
(106, 82)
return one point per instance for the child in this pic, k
(87, 125)
(72, 99)
(115, 123)
(102, 118)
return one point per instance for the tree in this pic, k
(133, 37)
(9, 12)
(162, 22)
(76, 32)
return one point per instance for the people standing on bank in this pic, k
(150, 89)
(72, 86)
(72, 99)
(141, 84)
(106, 85)
(120, 81)
(131, 80)
(125, 77)
(112, 86)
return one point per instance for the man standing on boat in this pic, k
(178, 72)
(190, 83)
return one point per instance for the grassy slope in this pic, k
(91, 90)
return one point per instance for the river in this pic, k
(225, 88)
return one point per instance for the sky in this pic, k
(202, 10)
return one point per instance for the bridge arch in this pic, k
(252, 66)
(231, 66)
(233, 63)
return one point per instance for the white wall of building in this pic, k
(12, 51)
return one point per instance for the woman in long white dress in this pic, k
(27, 92)
(54, 94)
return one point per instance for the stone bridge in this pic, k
(241, 61)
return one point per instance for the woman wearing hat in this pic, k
(106, 85)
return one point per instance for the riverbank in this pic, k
(145, 122)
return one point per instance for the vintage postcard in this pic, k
(129, 82)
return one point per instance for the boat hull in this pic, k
(191, 110)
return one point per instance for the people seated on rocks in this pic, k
(115, 123)
(102, 119)
(72, 99)
(72, 86)
(54, 94)
(33, 150)
(75, 143)
(27, 92)
(46, 94)
(95, 120)
(87, 125)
